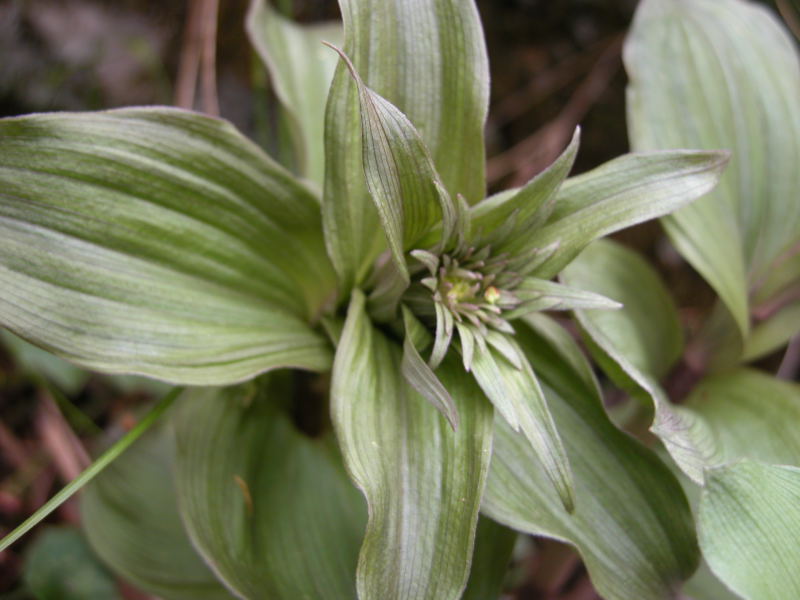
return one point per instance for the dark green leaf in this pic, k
(131, 518)
(272, 511)
(493, 547)
(59, 565)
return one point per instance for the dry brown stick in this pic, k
(791, 16)
(547, 83)
(209, 57)
(189, 64)
(790, 364)
(69, 455)
(555, 563)
(13, 450)
(534, 153)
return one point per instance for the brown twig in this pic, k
(13, 450)
(790, 16)
(198, 56)
(790, 364)
(69, 455)
(534, 153)
(209, 57)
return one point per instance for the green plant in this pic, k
(369, 279)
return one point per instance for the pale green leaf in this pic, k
(638, 344)
(59, 565)
(272, 511)
(518, 397)
(157, 242)
(626, 191)
(749, 524)
(300, 70)
(541, 294)
(423, 482)
(723, 74)
(532, 204)
(131, 518)
(400, 175)
(749, 414)
(421, 377)
(494, 544)
(631, 524)
(427, 58)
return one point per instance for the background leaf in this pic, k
(131, 519)
(723, 74)
(750, 415)
(300, 70)
(639, 343)
(748, 528)
(428, 58)
(157, 242)
(59, 565)
(629, 511)
(272, 511)
(423, 481)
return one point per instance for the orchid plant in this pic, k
(362, 277)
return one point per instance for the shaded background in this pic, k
(554, 64)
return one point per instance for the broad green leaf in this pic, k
(626, 191)
(131, 518)
(638, 344)
(749, 524)
(531, 205)
(428, 58)
(423, 482)
(746, 414)
(723, 74)
(157, 242)
(59, 565)
(300, 70)
(518, 397)
(272, 511)
(494, 544)
(750, 415)
(631, 524)
(400, 176)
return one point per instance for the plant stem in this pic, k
(93, 470)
